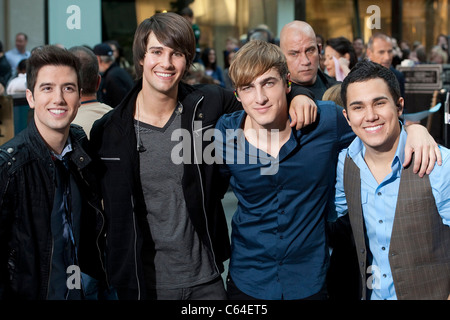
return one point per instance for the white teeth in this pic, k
(57, 111)
(373, 128)
(165, 75)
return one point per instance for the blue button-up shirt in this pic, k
(379, 202)
(279, 248)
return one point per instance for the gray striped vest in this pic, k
(419, 253)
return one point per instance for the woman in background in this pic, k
(340, 57)
(209, 60)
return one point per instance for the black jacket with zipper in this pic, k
(128, 233)
(27, 188)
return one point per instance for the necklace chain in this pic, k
(137, 116)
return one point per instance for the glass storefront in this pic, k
(407, 20)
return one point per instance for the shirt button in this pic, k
(383, 248)
(380, 221)
(379, 193)
(282, 212)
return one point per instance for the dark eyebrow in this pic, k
(155, 47)
(373, 100)
(46, 84)
(379, 98)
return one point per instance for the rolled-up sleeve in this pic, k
(340, 200)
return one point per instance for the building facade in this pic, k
(46, 20)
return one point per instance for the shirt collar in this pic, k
(66, 150)
(287, 148)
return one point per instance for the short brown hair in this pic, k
(88, 68)
(254, 59)
(50, 55)
(172, 30)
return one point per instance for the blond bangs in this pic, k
(254, 59)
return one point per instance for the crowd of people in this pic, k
(117, 76)
(124, 200)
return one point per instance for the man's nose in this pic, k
(304, 59)
(58, 98)
(371, 114)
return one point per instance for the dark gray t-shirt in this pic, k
(180, 258)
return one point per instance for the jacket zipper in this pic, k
(135, 250)
(49, 271)
(98, 246)
(201, 187)
(51, 252)
(99, 234)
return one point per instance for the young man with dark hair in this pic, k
(400, 222)
(52, 224)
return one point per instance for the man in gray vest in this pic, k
(400, 222)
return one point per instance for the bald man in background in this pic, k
(299, 45)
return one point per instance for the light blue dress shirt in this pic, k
(379, 203)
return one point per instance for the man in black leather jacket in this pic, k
(51, 219)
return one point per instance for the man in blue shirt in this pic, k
(283, 180)
(400, 222)
(18, 53)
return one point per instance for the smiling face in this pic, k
(55, 100)
(373, 114)
(163, 67)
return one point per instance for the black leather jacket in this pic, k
(27, 187)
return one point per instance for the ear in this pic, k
(289, 83)
(369, 54)
(400, 105)
(236, 95)
(344, 112)
(30, 98)
(79, 101)
(347, 56)
(99, 80)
